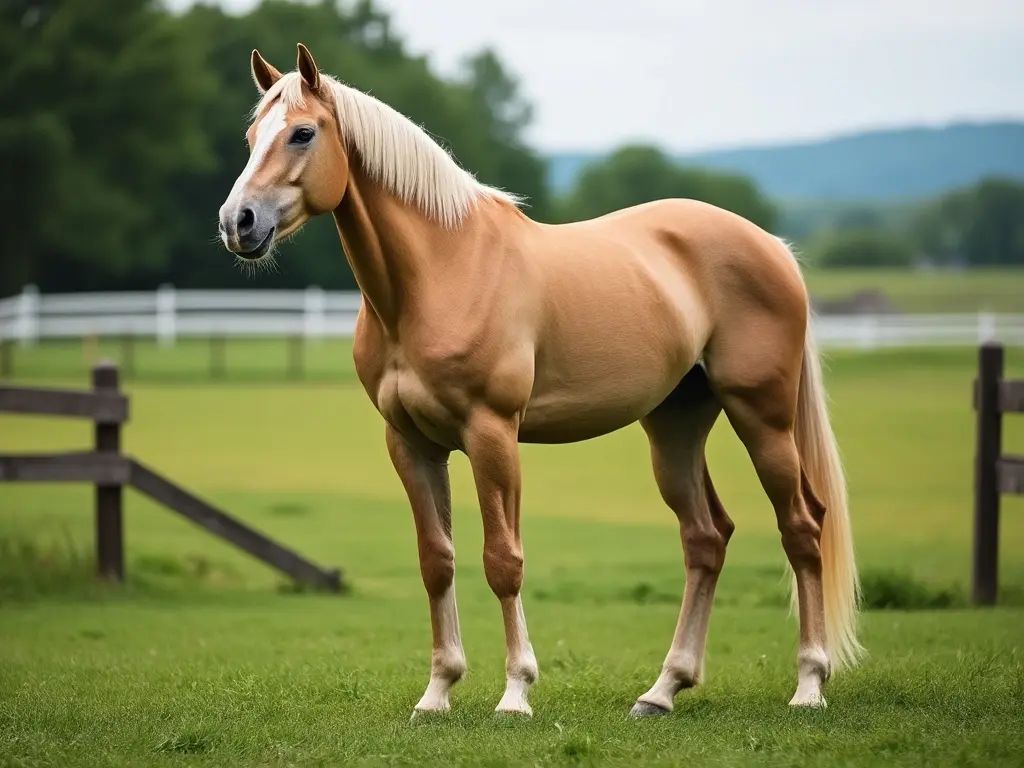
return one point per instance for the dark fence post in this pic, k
(985, 570)
(109, 498)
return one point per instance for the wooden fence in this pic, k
(110, 471)
(995, 473)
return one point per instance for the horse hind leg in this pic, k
(677, 431)
(763, 395)
(773, 451)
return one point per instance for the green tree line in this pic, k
(122, 130)
(977, 226)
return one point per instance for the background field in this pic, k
(984, 290)
(207, 658)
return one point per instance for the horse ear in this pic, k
(263, 73)
(308, 69)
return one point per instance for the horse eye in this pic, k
(302, 136)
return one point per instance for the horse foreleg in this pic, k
(426, 482)
(491, 443)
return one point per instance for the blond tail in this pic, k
(819, 455)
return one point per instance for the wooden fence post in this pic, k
(109, 498)
(985, 569)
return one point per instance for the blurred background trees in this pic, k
(122, 130)
(636, 174)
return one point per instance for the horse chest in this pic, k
(413, 408)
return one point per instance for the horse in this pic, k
(481, 329)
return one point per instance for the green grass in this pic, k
(977, 290)
(189, 360)
(202, 659)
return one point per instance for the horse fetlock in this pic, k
(448, 664)
(684, 671)
(814, 669)
(680, 671)
(814, 662)
(437, 696)
(524, 669)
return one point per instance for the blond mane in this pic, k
(394, 151)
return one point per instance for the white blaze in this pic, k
(272, 124)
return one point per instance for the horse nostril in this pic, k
(246, 221)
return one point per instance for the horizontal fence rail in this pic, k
(101, 407)
(167, 314)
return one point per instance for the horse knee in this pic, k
(503, 567)
(437, 565)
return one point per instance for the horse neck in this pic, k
(389, 246)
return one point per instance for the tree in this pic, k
(507, 115)
(863, 248)
(102, 114)
(982, 225)
(123, 130)
(994, 231)
(479, 116)
(638, 174)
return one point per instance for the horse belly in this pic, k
(622, 328)
(603, 386)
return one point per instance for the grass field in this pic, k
(978, 290)
(205, 659)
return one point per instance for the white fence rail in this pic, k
(167, 314)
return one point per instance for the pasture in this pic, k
(206, 658)
(977, 290)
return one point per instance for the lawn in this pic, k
(919, 291)
(204, 658)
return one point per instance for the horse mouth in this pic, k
(260, 250)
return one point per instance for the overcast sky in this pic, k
(697, 74)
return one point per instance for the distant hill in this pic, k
(884, 164)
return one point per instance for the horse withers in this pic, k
(481, 329)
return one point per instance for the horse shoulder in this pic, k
(369, 349)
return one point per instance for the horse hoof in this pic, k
(524, 713)
(646, 709)
(808, 701)
(427, 715)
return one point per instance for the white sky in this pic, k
(698, 74)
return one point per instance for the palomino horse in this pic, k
(481, 328)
